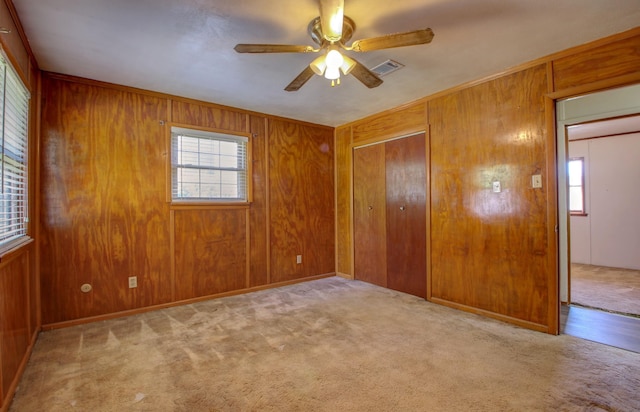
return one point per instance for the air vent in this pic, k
(387, 67)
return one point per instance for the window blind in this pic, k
(208, 166)
(14, 119)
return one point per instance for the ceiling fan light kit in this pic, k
(319, 65)
(348, 65)
(331, 31)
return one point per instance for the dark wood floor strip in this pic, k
(603, 327)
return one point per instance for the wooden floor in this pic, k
(599, 326)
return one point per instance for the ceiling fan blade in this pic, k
(410, 38)
(299, 81)
(273, 48)
(331, 19)
(366, 76)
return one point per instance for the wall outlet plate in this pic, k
(133, 282)
(496, 187)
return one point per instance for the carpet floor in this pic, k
(610, 289)
(325, 345)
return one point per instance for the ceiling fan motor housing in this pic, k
(315, 30)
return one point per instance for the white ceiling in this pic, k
(185, 47)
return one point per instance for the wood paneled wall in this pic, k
(105, 214)
(392, 124)
(258, 213)
(491, 253)
(602, 62)
(14, 318)
(18, 52)
(302, 213)
(19, 281)
(210, 252)
(344, 182)
(488, 249)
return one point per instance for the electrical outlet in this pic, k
(298, 259)
(133, 282)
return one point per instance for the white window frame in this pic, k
(202, 173)
(14, 157)
(580, 186)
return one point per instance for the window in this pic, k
(576, 186)
(14, 120)
(208, 166)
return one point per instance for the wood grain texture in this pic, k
(301, 182)
(103, 216)
(34, 294)
(390, 124)
(489, 250)
(208, 115)
(18, 53)
(344, 244)
(15, 335)
(369, 215)
(210, 252)
(406, 201)
(604, 62)
(259, 211)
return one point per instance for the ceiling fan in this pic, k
(331, 31)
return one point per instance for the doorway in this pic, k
(604, 226)
(589, 111)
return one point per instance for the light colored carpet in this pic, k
(611, 289)
(326, 345)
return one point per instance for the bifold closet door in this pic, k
(369, 215)
(406, 203)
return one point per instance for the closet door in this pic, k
(369, 215)
(406, 201)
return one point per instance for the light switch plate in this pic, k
(496, 187)
(536, 181)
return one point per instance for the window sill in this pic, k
(14, 247)
(578, 214)
(202, 205)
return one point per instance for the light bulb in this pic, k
(332, 73)
(334, 59)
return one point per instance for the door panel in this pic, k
(406, 215)
(369, 220)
